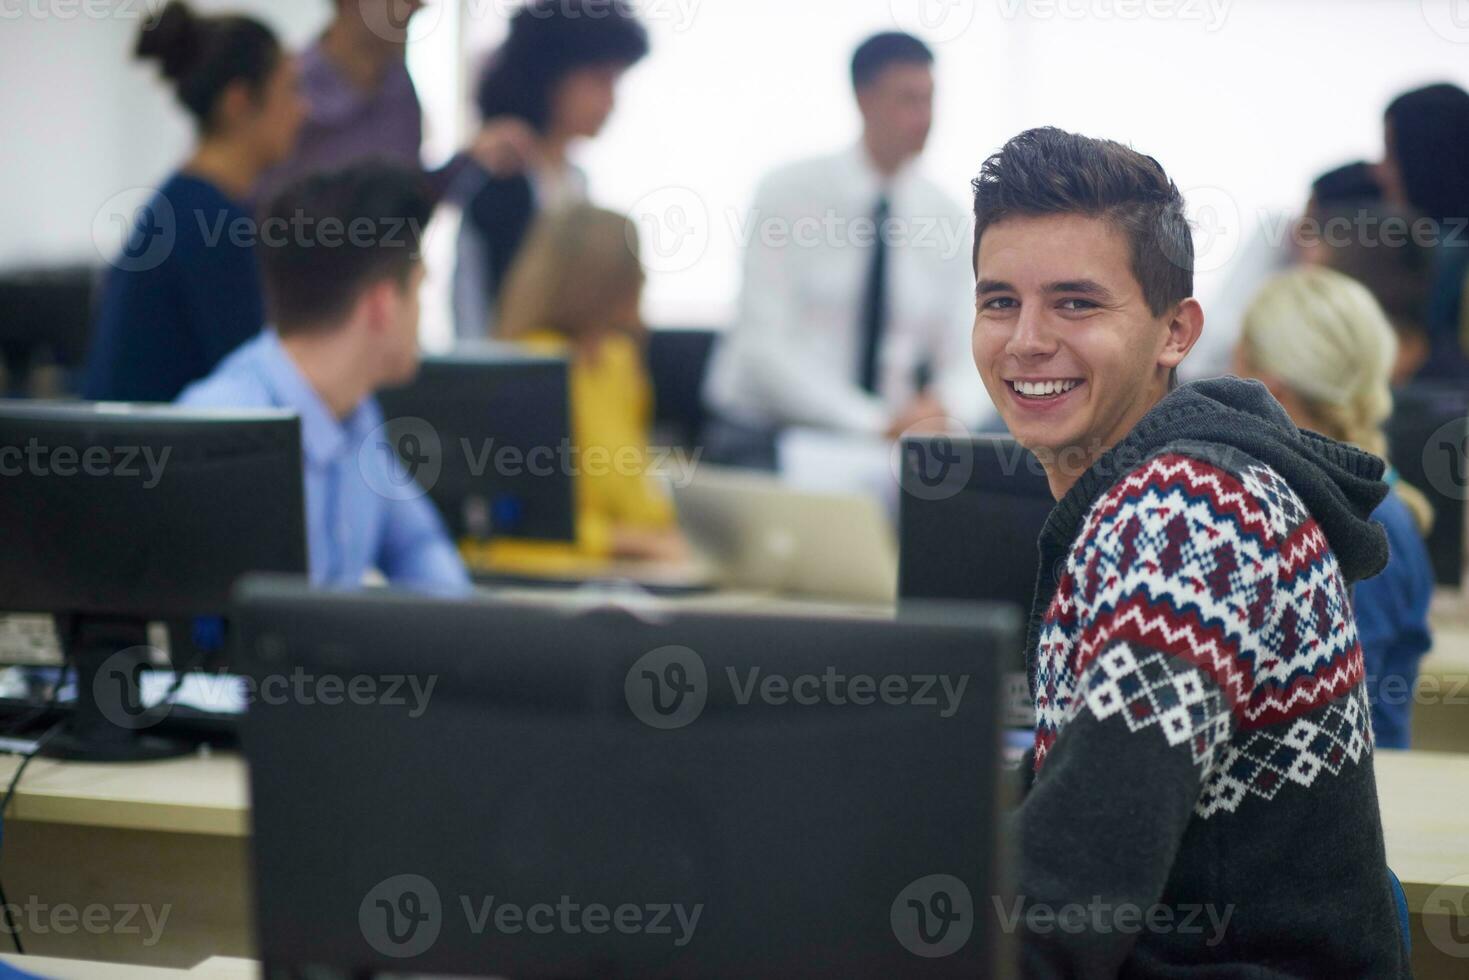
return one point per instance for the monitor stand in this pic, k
(109, 723)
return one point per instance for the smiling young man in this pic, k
(1203, 801)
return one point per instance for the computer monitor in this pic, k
(46, 311)
(522, 791)
(970, 518)
(119, 515)
(487, 431)
(1428, 441)
(969, 524)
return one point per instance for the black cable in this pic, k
(10, 923)
(5, 808)
(181, 670)
(41, 711)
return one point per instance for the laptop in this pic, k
(763, 535)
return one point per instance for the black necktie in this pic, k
(875, 301)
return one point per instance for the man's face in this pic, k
(1069, 351)
(897, 108)
(386, 19)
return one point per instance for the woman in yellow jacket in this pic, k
(575, 290)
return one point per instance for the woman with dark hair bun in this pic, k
(557, 73)
(186, 290)
(1427, 137)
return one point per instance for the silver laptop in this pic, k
(763, 535)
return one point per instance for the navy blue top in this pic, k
(183, 293)
(1392, 623)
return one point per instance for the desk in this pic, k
(175, 833)
(166, 839)
(1441, 701)
(217, 968)
(1424, 798)
(200, 794)
(178, 829)
(735, 601)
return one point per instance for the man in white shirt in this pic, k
(840, 327)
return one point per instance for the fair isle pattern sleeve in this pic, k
(1163, 609)
(1189, 570)
(1199, 652)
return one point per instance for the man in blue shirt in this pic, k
(342, 264)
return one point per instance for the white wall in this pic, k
(1242, 100)
(82, 121)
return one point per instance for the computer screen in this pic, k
(48, 312)
(536, 792)
(487, 433)
(1428, 441)
(118, 516)
(145, 511)
(969, 523)
(970, 518)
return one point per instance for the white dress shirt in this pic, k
(792, 357)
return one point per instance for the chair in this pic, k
(678, 359)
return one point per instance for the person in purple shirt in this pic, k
(341, 253)
(363, 103)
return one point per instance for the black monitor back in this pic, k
(1428, 440)
(150, 512)
(970, 520)
(49, 308)
(487, 431)
(678, 362)
(811, 837)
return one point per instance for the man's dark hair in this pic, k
(1353, 183)
(1430, 133)
(1049, 171)
(550, 39)
(326, 238)
(1395, 263)
(879, 53)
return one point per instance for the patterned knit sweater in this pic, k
(1203, 801)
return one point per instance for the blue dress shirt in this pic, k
(363, 510)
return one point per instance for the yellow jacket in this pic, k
(611, 420)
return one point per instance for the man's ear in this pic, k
(1184, 330)
(377, 305)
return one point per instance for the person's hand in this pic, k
(669, 547)
(505, 146)
(925, 415)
